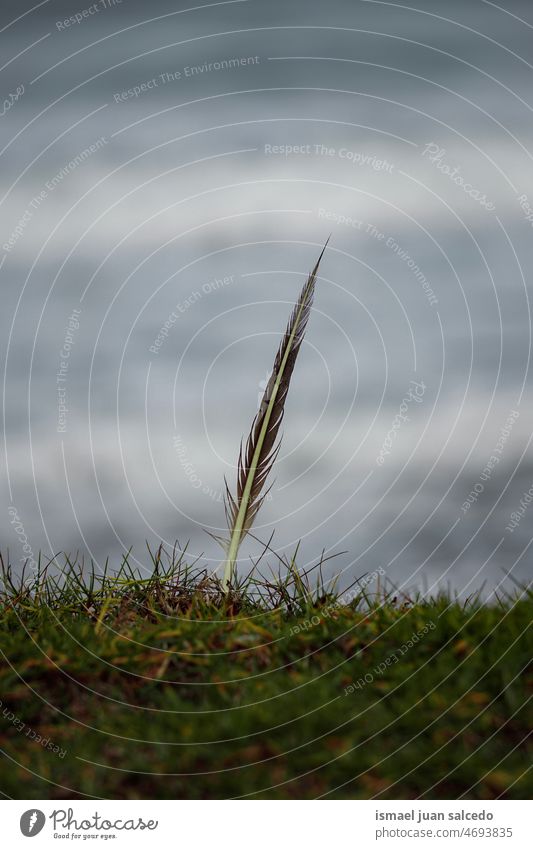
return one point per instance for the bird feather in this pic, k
(257, 457)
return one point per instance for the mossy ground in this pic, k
(161, 688)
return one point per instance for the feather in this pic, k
(262, 446)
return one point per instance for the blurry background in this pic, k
(169, 175)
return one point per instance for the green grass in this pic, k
(166, 688)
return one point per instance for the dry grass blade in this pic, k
(257, 458)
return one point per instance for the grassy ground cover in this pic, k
(123, 687)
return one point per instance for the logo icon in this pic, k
(32, 822)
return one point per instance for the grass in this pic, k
(120, 686)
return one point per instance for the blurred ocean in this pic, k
(169, 175)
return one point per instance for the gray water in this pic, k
(167, 256)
